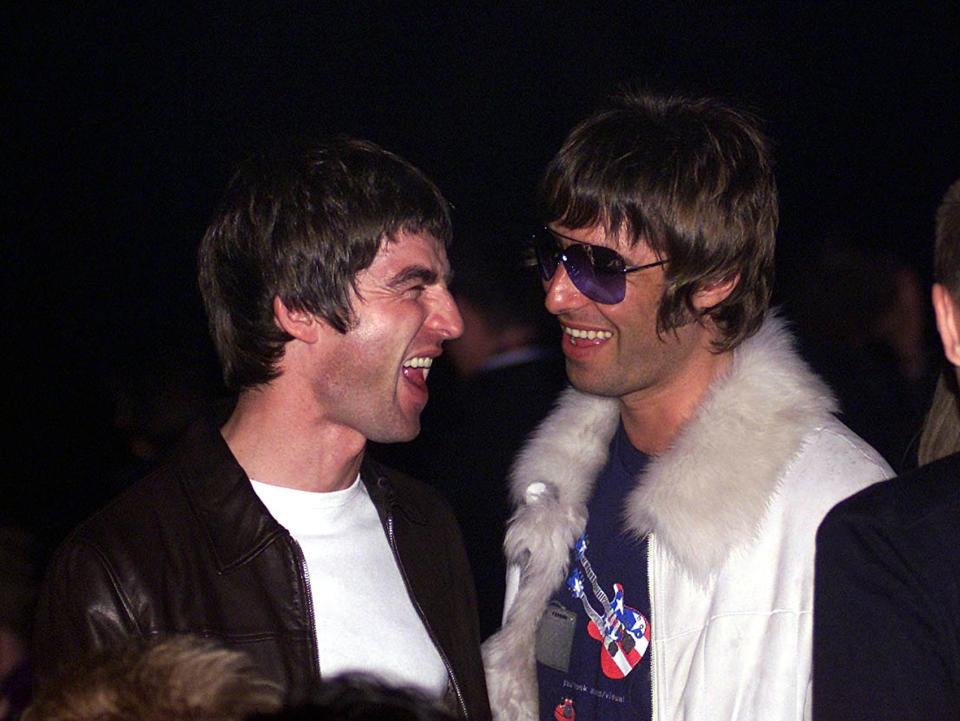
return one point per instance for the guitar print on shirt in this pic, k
(623, 632)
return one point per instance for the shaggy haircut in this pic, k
(691, 177)
(179, 678)
(299, 222)
(941, 430)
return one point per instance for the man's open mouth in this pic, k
(419, 366)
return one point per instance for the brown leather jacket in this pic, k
(191, 549)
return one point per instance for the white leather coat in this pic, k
(732, 510)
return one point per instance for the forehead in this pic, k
(599, 234)
(406, 248)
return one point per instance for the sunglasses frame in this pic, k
(597, 286)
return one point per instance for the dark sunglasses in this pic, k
(598, 272)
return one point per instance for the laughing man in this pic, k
(324, 275)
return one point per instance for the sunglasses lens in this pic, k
(596, 272)
(548, 254)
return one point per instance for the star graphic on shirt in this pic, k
(575, 582)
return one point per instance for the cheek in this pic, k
(634, 329)
(389, 341)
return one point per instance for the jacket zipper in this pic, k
(653, 615)
(305, 577)
(423, 618)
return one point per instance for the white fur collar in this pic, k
(704, 497)
(707, 494)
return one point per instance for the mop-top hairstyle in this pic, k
(690, 177)
(299, 222)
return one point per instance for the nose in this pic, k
(562, 294)
(445, 316)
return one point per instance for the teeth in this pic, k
(423, 362)
(587, 334)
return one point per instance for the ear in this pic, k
(712, 294)
(298, 323)
(948, 316)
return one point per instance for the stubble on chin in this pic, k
(591, 382)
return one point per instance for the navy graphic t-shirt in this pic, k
(593, 662)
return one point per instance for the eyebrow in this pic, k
(560, 237)
(420, 273)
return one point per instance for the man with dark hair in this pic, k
(324, 275)
(661, 550)
(356, 697)
(887, 611)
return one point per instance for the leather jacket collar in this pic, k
(234, 519)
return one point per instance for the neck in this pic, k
(277, 443)
(653, 417)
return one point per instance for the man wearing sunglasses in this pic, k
(661, 551)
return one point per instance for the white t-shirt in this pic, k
(365, 620)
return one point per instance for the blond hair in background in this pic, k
(941, 430)
(177, 678)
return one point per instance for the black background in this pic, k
(123, 121)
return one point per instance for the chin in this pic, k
(397, 434)
(595, 387)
